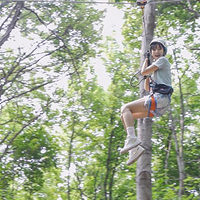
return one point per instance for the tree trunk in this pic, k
(169, 145)
(179, 143)
(144, 191)
(144, 163)
(70, 158)
(108, 168)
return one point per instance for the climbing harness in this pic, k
(152, 105)
(161, 88)
(157, 88)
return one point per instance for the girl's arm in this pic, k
(146, 70)
(146, 84)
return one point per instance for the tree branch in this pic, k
(3, 140)
(18, 8)
(58, 37)
(3, 4)
(25, 92)
(23, 127)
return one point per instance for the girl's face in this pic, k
(157, 51)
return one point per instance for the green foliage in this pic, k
(60, 39)
(60, 132)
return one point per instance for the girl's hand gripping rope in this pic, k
(136, 75)
(147, 56)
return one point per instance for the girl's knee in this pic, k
(124, 108)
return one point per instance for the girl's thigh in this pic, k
(140, 115)
(136, 106)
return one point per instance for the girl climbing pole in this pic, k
(155, 104)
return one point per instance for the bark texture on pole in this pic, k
(143, 179)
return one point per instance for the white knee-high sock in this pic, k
(131, 131)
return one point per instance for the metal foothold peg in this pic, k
(141, 2)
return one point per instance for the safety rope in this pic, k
(135, 76)
(142, 4)
(90, 2)
(144, 26)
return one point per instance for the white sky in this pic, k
(113, 22)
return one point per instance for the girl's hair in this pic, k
(154, 46)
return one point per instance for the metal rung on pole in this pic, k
(141, 2)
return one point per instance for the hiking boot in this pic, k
(130, 143)
(134, 154)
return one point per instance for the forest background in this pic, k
(60, 130)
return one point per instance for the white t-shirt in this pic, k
(163, 74)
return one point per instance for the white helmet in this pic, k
(162, 42)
